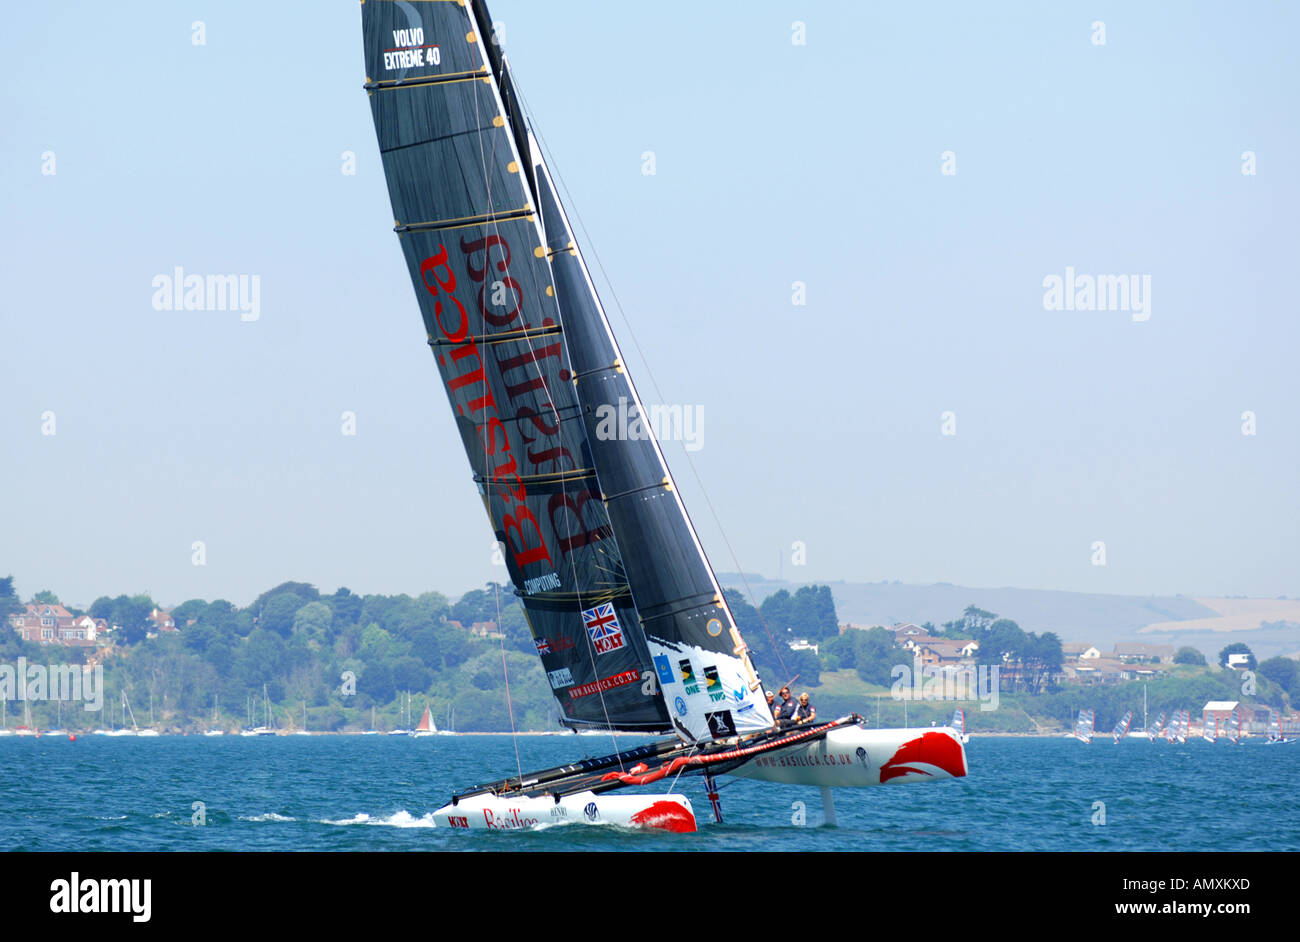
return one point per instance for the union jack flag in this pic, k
(602, 626)
(543, 645)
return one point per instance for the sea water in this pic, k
(346, 793)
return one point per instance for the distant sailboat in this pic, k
(451, 724)
(1179, 727)
(959, 724)
(371, 731)
(403, 732)
(1275, 737)
(426, 726)
(149, 730)
(126, 708)
(1083, 726)
(265, 729)
(304, 731)
(1155, 729)
(1206, 733)
(58, 724)
(1121, 728)
(26, 728)
(4, 718)
(1234, 727)
(216, 729)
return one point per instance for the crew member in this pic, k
(785, 712)
(805, 712)
(771, 704)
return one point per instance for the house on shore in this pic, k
(54, 624)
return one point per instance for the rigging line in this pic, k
(536, 366)
(776, 650)
(695, 747)
(487, 488)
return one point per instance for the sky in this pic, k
(915, 175)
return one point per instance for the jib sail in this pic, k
(702, 664)
(466, 216)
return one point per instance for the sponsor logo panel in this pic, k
(713, 684)
(688, 677)
(603, 628)
(665, 669)
(721, 724)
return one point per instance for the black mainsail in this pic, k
(627, 615)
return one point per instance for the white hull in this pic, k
(851, 757)
(489, 813)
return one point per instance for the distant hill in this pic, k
(1269, 626)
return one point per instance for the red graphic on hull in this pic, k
(934, 749)
(666, 816)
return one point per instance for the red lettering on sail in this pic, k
(527, 358)
(485, 246)
(522, 533)
(533, 416)
(559, 502)
(432, 264)
(534, 554)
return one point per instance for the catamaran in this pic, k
(629, 620)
